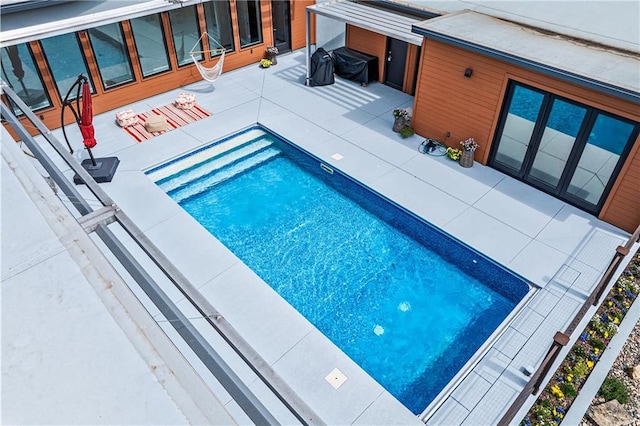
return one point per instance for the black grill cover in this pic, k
(321, 68)
(355, 66)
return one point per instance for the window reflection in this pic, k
(19, 71)
(64, 56)
(556, 145)
(111, 55)
(218, 17)
(185, 30)
(151, 45)
(518, 128)
(249, 22)
(607, 140)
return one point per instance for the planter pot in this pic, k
(273, 58)
(466, 160)
(398, 124)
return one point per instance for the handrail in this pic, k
(537, 378)
(210, 358)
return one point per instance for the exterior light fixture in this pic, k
(468, 72)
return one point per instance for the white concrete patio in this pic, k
(553, 245)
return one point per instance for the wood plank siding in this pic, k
(368, 42)
(298, 24)
(141, 87)
(622, 207)
(410, 75)
(447, 101)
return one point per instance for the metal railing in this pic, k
(97, 221)
(561, 339)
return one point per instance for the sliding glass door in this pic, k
(562, 147)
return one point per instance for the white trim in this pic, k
(76, 22)
(370, 18)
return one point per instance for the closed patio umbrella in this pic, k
(101, 169)
(86, 120)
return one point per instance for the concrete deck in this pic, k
(558, 248)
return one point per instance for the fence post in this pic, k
(559, 340)
(621, 252)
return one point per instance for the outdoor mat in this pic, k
(175, 118)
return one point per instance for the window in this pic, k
(111, 54)
(185, 31)
(557, 142)
(21, 74)
(518, 127)
(151, 45)
(66, 62)
(570, 150)
(605, 144)
(218, 17)
(249, 22)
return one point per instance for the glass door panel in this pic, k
(21, 73)
(556, 144)
(249, 22)
(519, 124)
(218, 18)
(66, 62)
(151, 45)
(606, 142)
(111, 55)
(186, 32)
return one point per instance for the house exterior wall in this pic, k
(447, 101)
(140, 88)
(368, 42)
(375, 44)
(298, 24)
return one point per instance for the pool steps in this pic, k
(237, 158)
(205, 154)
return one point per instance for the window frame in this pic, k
(560, 191)
(128, 57)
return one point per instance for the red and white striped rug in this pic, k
(175, 118)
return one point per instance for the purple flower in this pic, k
(584, 337)
(560, 410)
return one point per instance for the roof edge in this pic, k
(568, 76)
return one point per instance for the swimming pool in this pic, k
(406, 302)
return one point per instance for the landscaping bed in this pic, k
(558, 395)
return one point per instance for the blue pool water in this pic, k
(406, 302)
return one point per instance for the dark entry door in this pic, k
(281, 25)
(395, 64)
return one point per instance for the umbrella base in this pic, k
(103, 171)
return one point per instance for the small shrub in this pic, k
(569, 390)
(613, 388)
(597, 343)
(580, 369)
(580, 351)
(542, 413)
(407, 131)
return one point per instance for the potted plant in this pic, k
(265, 63)
(407, 131)
(401, 118)
(271, 53)
(453, 153)
(469, 147)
